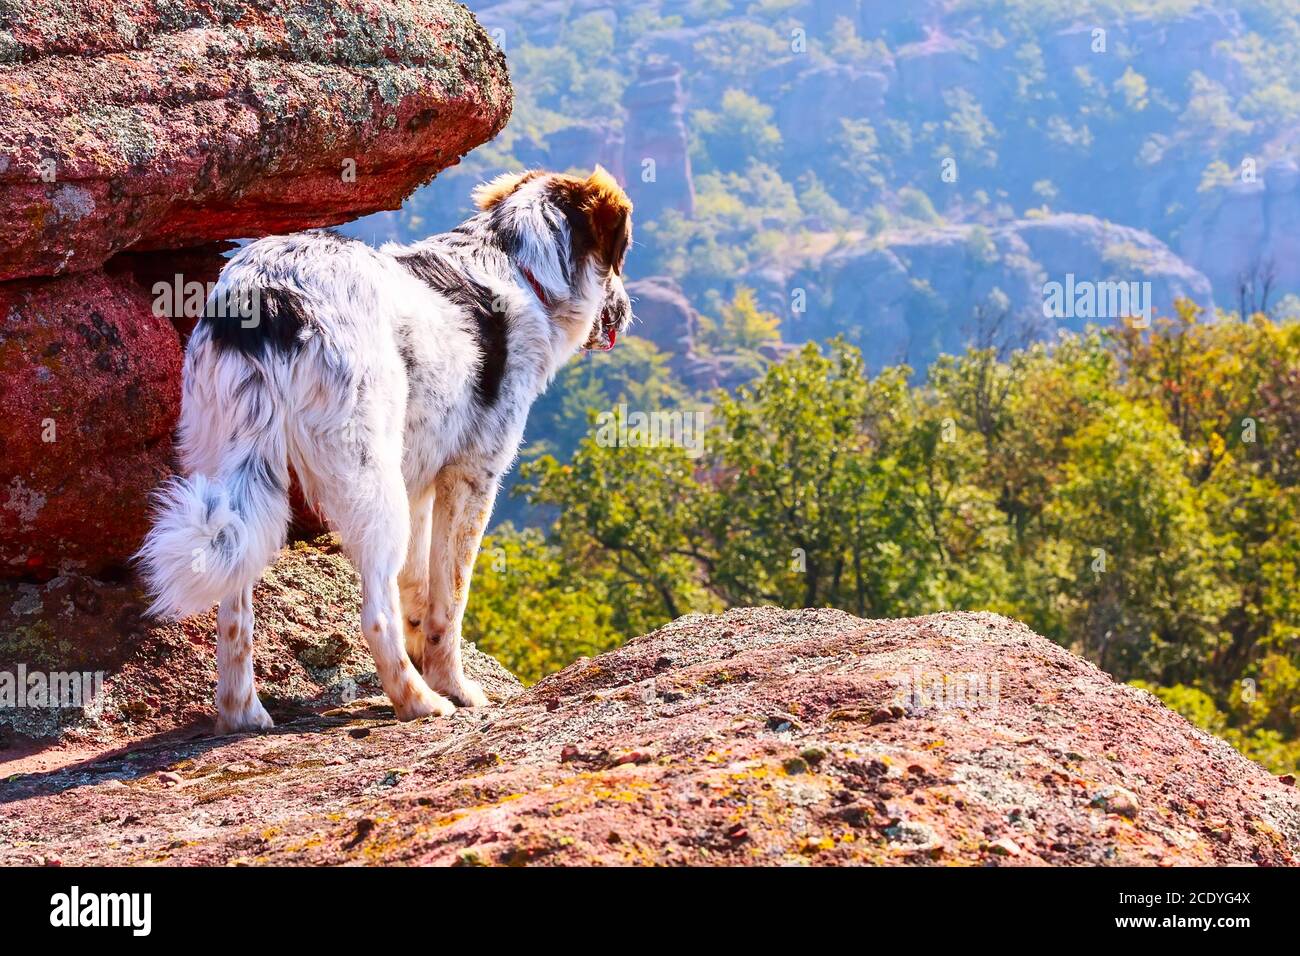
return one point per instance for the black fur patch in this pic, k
(582, 239)
(275, 324)
(476, 300)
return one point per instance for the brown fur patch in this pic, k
(487, 195)
(608, 209)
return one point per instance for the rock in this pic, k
(716, 791)
(1004, 847)
(937, 64)
(656, 133)
(873, 284)
(667, 319)
(809, 113)
(308, 600)
(664, 316)
(1246, 231)
(155, 124)
(1115, 799)
(90, 389)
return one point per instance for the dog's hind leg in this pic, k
(238, 708)
(372, 521)
(461, 508)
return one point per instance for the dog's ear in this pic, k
(486, 195)
(609, 211)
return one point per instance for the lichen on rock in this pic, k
(741, 739)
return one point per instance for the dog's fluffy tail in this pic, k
(213, 536)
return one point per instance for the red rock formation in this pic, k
(90, 391)
(164, 125)
(152, 124)
(759, 737)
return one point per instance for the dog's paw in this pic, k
(467, 693)
(422, 702)
(247, 719)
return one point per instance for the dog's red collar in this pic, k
(536, 286)
(609, 333)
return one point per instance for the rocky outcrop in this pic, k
(666, 318)
(811, 109)
(90, 389)
(159, 678)
(1245, 234)
(656, 155)
(154, 124)
(134, 133)
(911, 294)
(758, 737)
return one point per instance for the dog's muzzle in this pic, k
(605, 333)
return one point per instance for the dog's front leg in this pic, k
(461, 508)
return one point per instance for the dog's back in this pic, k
(297, 329)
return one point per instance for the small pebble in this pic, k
(1117, 800)
(1004, 847)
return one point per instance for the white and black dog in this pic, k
(396, 383)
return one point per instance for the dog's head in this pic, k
(569, 238)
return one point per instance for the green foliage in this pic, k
(530, 611)
(968, 130)
(742, 328)
(741, 130)
(733, 212)
(635, 373)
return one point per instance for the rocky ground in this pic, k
(758, 737)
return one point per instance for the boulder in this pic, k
(155, 124)
(160, 677)
(811, 110)
(664, 315)
(760, 737)
(1245, 233)
(90, 390)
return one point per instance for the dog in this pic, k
(395, 382)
